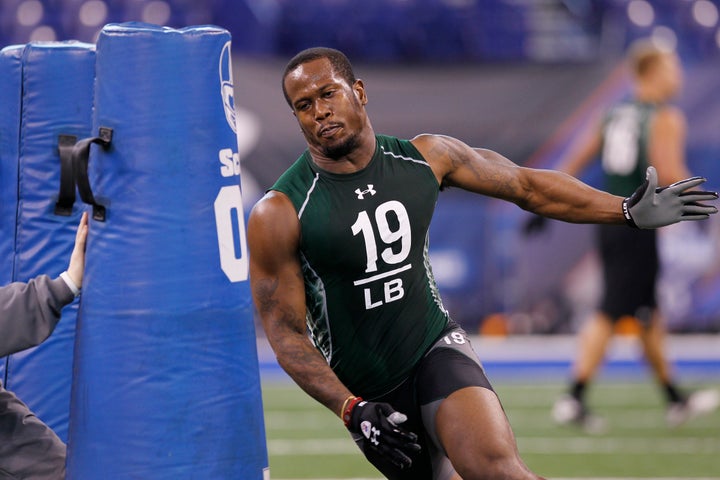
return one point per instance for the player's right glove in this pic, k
(653, 207)
(379, 424)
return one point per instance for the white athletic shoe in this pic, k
(568, 411)
(698, 403)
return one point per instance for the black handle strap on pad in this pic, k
(80, 158)
(66, 194)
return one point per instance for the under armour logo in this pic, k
(370, 432)
(361, 193)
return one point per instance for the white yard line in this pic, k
(618, 445)
(534, 445)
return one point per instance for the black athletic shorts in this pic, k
(630, 263)
(449, 365)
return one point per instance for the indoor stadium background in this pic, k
(517, 76)
(522, 77)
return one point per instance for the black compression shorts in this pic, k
(630, 263)
(449, 365)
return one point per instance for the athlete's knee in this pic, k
(487, 467)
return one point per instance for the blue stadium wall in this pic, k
(388, 30)
(520, 79)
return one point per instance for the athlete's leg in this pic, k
(593, 340)
(681, 406)
(469, 435)
(476, 435)
(652, 338)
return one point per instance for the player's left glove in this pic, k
(379, 424)
(653, 207)
(535, 225)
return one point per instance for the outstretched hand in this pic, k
(653, 207)
(76, 267)
(379, 424)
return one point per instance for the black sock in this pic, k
(577, 390)
(672, 393)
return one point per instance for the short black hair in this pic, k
(340, 63)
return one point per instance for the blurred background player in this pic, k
(644, 130)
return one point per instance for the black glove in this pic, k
(534, 225)
(652, 207)
(378, 423)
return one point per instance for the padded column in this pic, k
(10, 104)
(57, 85)
(167, 382)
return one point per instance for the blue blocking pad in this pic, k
(166, 370)
(10, 104)
(57, 86)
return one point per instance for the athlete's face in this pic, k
(667, 73)
(330, 112)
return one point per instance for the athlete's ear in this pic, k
(359, 89)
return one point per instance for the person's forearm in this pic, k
(563, 197)
(30, 311)
(308, 368)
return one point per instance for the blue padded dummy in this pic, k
(57, 84)
(167, 381)
(10, 104)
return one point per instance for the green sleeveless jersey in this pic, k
(373, 307)
(625, 146)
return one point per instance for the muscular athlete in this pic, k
(341, 279)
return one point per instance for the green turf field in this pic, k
(305, 441)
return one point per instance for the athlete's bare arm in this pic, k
(546, 192)
(278, 291)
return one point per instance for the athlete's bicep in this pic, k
(275, 273)
(475, 169)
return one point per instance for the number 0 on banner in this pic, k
(230, 224)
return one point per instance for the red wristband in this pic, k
(347, 412)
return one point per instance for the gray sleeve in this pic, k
(30, 311)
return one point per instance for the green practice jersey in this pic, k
(373, 307)
(625, 147)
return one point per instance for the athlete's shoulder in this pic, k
(395, 146)
(273, 204)
(671, 114)
(434, 139)
(669, 122)
(388, 143)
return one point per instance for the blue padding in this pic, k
(10, 92)
(10, 105)
(167, 379)
(57, 83)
